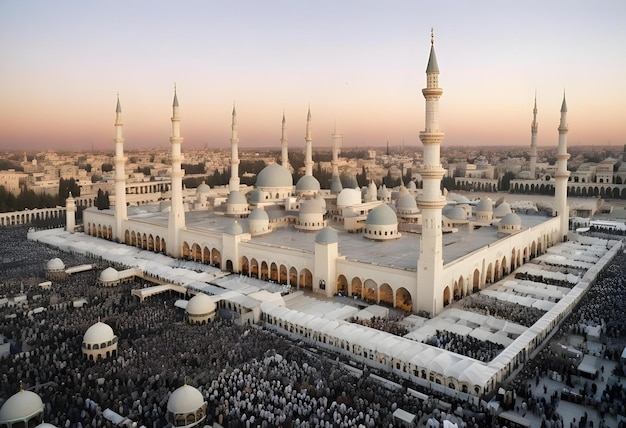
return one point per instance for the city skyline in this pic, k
(359, 65)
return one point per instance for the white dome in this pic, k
(411, 185)
(307, 183)
(485, 205)
(46, 425)
(234, 229)
(446, 209)
(203, 188)
(200, 304)
(274, 175)
(406, 202)
(503, 209)
(257, 195)
(327, 235)
(349, 197)
(322, 201)
(456, 213)
(20, 406)
(258, 214)
(511, 219)
(55, 264)
(109, 275)
(371, 189)
(185, 399)
(98, 333)
(382, 215)
(235, 197)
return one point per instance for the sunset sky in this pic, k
(357, 63)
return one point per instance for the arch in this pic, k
(385, 294)
(476, 281)
(245, 265)
(533, 250)
(163, 246)
(186, 251)
(282, 274)
(356, 288)
(144, 241)
(513, 259)
(229, 265)
(264, 271)
(150, 242)
(274, 272)
(446, 296)
(504, 267)
(216, 258)
(305, 279)
(196, 252)
(404, 300)
(293, 277)
(615, 193)
(496, 271)
(489, 275)
(458, 288)
(342, 285)
(254, 268)
(127, 237)
(370, 290)
(206, 255)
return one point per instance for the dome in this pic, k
(384, 193)
(257, 195)
(485, 205)
(307, 183)
(503, 209)
(382, 215)
(185, 399)
(46, 425)
(327, 235)
(203, 188)
(456, 213)
(55, 264)
(511, 219)
(20, 406)
(446, 209)
(258, 214)
(371, 189)
(234, 229)
(406, 202)
(350, 182)
(321, 200)
(311, 206)
(98, 333)
(274, 175)
(335, 184)
(348, 197)
(411, 185)
(109, 275)
(235, 197)
(200, 304)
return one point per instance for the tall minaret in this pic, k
(308, 156)
(335, 181)
(533, 142)
(233, 183)
(284, 156)
(120, 176)
(562, 175)
(430, 263)
(176, 220)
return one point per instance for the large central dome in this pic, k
(274, 175)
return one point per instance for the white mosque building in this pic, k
(277, 235)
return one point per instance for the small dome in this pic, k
(203, 188)
(46, 425)
(383, 193)
(462, 199)
(274, 175)
(503, 209)
(235, 197)
(349, 197)
(485, 205)
(456, 213)
(446, 209)
(98, 333)
(321, 200)
(21, 406)
(335, 184)
(234, 228)
(109, 275)
(511, 219)
(311, 206)
(382, 215)
(200, 304)
(327, 235)
(307, 183)
(371, 189)
(55, 264)
(406, 202)
(185, 399)
(411, 185)
(257, 195)
(258, 214)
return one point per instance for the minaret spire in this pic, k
(121, 213)
(176, 220)
(284, 157)
(562, 174)
(335, 181)
(308, 157)
(533, 142)
(233, 184)
(431, 201)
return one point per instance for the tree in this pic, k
(107, 167)
(505, 182)
(65, 187)
(102, 200)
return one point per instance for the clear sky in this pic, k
(357, 63)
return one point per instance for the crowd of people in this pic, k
(524, 315)
(391, 324)
(482, 350)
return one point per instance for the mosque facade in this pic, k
(346, 241)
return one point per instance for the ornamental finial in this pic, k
(432, 36)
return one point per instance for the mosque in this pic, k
(408, 248)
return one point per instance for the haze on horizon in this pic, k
(359, 65)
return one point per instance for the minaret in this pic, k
(70, 214)
(176, 220)
(335, 181)
(284, 157)
(562, 175)
(533, 142)
(308, 156)
(233, 183)
(120, 176)
(430, 263)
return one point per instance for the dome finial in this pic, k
(432, 36)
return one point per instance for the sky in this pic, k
(359, 64)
